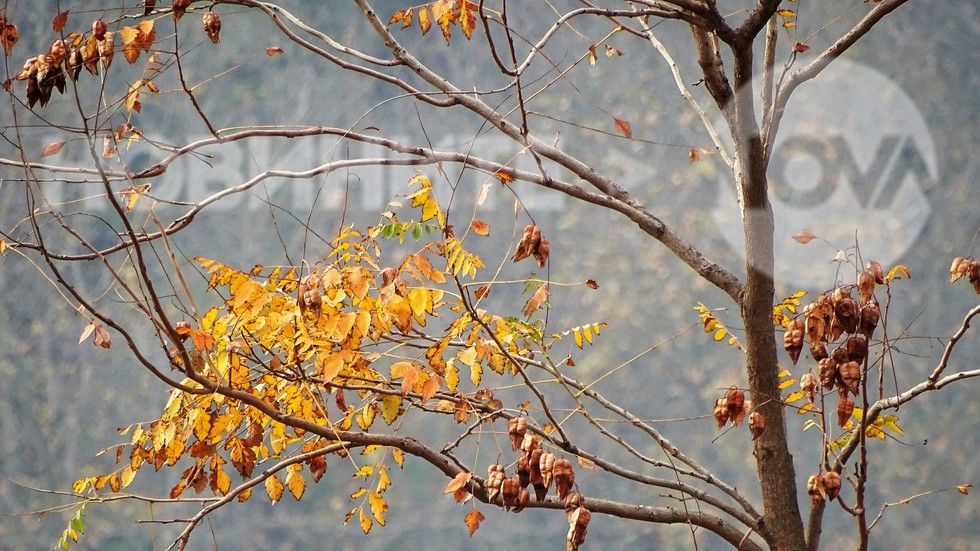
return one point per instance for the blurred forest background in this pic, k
(61, 403)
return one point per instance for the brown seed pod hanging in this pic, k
(793, 339)
(828, 372)
(865, 285)
(523, 498)
(849, 376)
(547, 465)
(578, 523)
(831, 484)
(529, 443)
(808, 386)
(818, 351)
(573, 501)
(537, 479)
(844, 409)
(874, 267)
(857, 348)
(721, 412)
(212, 26)
(868, 319)
(846, 314)
(516, 429)
(495, 480)
(510, 491)
(757, 424)
(523, 471)
(564, 477)
(815, 489)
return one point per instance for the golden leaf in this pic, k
(467, 20)
(294, 480)
(459, 481)
(274, 488)
(425, 21)
(365, 521)
(378, 507)
(390, 407)
(445, 16)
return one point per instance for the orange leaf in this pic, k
(504, 177)
(59, 21)
(623, 127)
(52, 148)
(480, 227)
(805, 236)
(425, 22)
(445, 16)
(274, 50)
(786, 13)
(467, 21)
(800, 48)
(962, 488)
(592, 284)
(460, 481)
(473, 519)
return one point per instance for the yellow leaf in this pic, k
(794, 397)
(128, 34)
(222, 481)
(365, 521)
(378, 507)
(578, 337)
(425, 21)
(127, 475)
(294, 480)
(452, 377)
(445, 16)
(390, 406)
(897, 272)
(786, 382)
(720, 334)
(786, 13)
(274, 488)
(398, 456)
(806, 407)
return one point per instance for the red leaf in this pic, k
(800, 48)
(275, 50)
(52, 148)
(592, 284)
(805, 236)
(623, 127)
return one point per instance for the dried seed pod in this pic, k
(868, 319)
(523, 471)
(960, 267)
(541, 251)
(212, 26)
(974, 275)
(874, 267)
(721, 412)
(529, 443)
(844, 409)
(516, 429)
(849, 376)
(495, 480)
(534, 466)
(564, 477)
(107, 48)
(808, 386)
(816, 329)
(735, 402)
(148, 6)
(573, 501)
(179, 8)
(530, 239)
(757, 424)
(58, 51)
(865, 285)
(510, 490)
(99, 29)
(547, 465)
(793, 339)
(831, 484)
(815, 488)
(578, 524)
(818, 351)
(839, 355)
(828, 372)
(857, 348)
(846, 314)
(523, 498)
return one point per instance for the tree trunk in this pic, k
(783, 525)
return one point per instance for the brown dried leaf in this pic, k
(52, 148)
(537, 299)
(460, 481)
(212, 26)
(480, 227)
(273, 51)
(59, 21)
